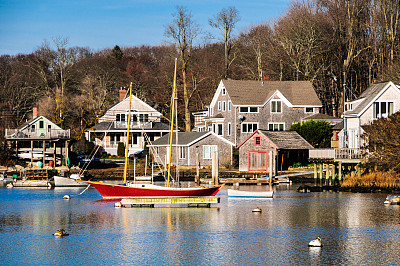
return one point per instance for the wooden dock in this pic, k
(168, 202)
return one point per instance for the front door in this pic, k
(257, 161)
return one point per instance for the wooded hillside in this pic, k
(316, 40)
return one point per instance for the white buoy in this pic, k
(66, 197)
(118, 205)
(257, 210)
(315, 243)
(10, 185)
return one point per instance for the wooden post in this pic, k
(215, 168)
(31, 152)
(145, 167)
(340, 172)
(333, 173)
(197, 178)
(44, 152)
(270, 166)
(315, 171)
(321, 171)
(327, 174)
(66, 153)
(54, 154)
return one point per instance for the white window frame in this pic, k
(379, 114)
(273, 126)
(252, 127)
(305, 110)
(229, 105)
(207, 151)
(223, 106)
(229, 129)
(248, 109)
(223, 91)
(272, 103)
(182, 152)
(216, 128)
(219, 105)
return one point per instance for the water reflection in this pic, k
(355, 228)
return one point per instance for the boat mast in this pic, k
(172, 126)
(127, 134)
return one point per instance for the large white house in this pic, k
(379, 100)
(111, 129)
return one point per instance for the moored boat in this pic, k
(71, 181)
(35, 178)
(250, 194)
(392, 200)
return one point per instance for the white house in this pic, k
(111, 129)
(379, 100)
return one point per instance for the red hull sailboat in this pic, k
(130, 190)
(111, 191)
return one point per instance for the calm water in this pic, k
(357, 229)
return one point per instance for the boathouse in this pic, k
(40, 140)
(276, 149)
(189, 145)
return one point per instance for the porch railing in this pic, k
(337, 154)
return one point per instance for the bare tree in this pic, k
(226, 21)
(183, 31)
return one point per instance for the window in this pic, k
(120, 117)
(144, 117)
(33, 128)
(218, 129)
(276, 106)
(223, 91)
(219, 105)
(276, 126)
(48, 128)
(229, 129)
(382, 109)
(257, 141)
(229, 105)
(348, 107)
(249, 127)
(223, 106)
(182, 152)
(309, 110)
(245, 109)
(207, 151)
(41, 124)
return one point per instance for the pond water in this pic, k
(356, 229)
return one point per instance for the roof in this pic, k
(367, 97)
(320, 116)
(338, 126)
(186, 138)
(250, 92)
(283, 140)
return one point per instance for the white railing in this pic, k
(321, 154)
(349, 153)
(28, 134)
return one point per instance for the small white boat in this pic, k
(250, 194)
(392, 200)
(315, 243)
(72, 181)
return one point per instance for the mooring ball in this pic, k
(67, 197)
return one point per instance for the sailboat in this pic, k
(130, 190)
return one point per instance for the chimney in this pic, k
(122, 93)
(34, 112)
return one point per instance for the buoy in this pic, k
(66, 197)
(60, 233)
(118, 205)
(257, 210)
(315, 243)
(10, 185)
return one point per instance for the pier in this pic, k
(168, 202)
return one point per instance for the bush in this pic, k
(121, 149)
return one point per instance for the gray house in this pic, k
(264, 149)
(189, 144)
(239, 107)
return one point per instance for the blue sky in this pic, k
(99, 24)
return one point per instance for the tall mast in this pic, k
(172, 126)
(127, 134)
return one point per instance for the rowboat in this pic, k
(250, 194)
(72, 181)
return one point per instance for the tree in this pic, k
(183, 31)
(226, 21)
(318, 133)
(117, 53)
(383, 137)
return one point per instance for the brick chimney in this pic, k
(122, 93)
(34, 112)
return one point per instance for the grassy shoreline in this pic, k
(373, 182)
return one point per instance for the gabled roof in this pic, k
(186, 138)
(110, 126)
(369, 96)
(283, 140)
(134, 98)
(253, 93)
(34, 120)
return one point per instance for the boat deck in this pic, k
(151, 202)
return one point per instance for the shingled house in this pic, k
(190, 143)
(278, 149)
(239, 107)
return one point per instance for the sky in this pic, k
(99, 24)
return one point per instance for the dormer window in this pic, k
(348, 107)
(223, 91)
(276, 106)
(309, 110)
